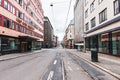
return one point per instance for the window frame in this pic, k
(87, 26)
(92, 6)
(93, 22)
(115, 13)
(86, 13)
(103, 15)
(6, 6)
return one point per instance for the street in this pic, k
(51, 64)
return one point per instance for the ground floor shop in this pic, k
(79, 46)
(108, 43)
(20, 44)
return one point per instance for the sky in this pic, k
(57, 15)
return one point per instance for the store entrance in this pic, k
(24, 46)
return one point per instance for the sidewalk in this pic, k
(108, 63)
(16, 55)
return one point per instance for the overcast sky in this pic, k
(58, 14)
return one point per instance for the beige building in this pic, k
(102, 26)
(79, 25)
(70, 35)
(21, 25)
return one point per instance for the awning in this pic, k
(79, 44)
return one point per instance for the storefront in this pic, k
(105, 44)
(9, 45)
(116, 42)
(108, 43)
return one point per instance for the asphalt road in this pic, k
(52, 64)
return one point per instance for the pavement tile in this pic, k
(108, 62)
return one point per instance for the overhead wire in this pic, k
(67, 14)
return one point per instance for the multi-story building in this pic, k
(79, 25)
(21, 25)
(70, 35)
(102, 26)
(55, 41)
(48, 33)
(64, 41)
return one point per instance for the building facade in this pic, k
(102, 26)
(79, 25)
(21, 25)
(55, 41)
(70, 35)
(48, 33)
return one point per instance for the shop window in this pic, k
(93, 22)
(104, 41)
(0, 2)
(5, 4)
(103, 15)
(116, 43)
(116, 7)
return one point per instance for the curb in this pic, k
(106, 70)
(18, 56)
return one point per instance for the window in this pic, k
(86, 13)
(116, 7)
(92, 7)
(26, 8)
(17, 27)
(5, 4)
(17, 13)
(87, 26)
(20, 2)
(103, 16)
(86, 2)
(32, 14)
(7, 23)
(12, 26)
(93, 22)
(0, 2)
(20, 15)
(99, 1)
(13, 10)
(9, 7)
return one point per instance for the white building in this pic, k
(102, 25)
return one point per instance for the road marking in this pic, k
(50, 75)
(55, 61)
(78, 68)
(69, 68)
